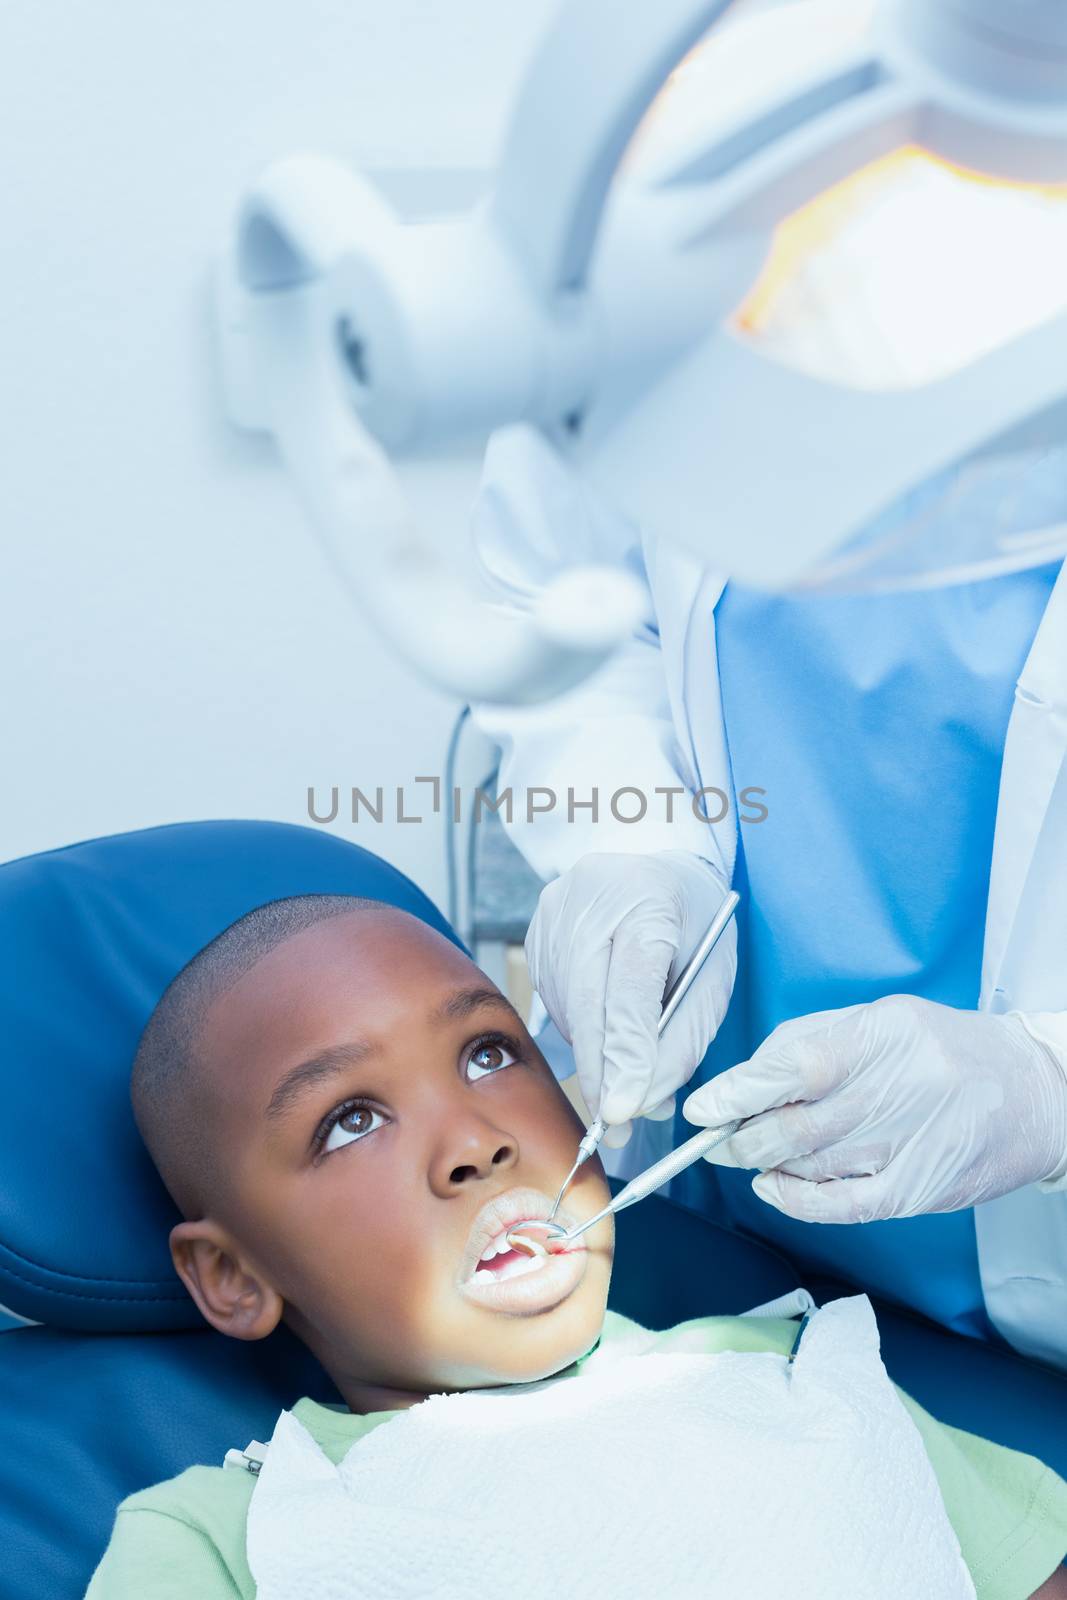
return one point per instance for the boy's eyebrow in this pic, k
(466, 1001)
(327, 1064)
(338, 1058)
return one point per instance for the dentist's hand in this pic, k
(892, 1109)
(606, 939)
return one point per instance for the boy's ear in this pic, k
(232, 1297)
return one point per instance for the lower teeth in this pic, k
(514, 1269)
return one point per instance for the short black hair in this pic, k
(163, 1082)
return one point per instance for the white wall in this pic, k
(171, 645)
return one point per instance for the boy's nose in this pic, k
(478, 1152)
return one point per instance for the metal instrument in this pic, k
(672, 1000)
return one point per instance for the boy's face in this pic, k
(384, 1118)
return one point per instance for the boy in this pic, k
(350, 1117)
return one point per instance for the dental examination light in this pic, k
(595, 296)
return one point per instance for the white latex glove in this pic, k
(607, 938)
(892, 1109)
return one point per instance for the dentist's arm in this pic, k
(630, 900)
(895, 1108)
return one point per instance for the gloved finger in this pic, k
(846, 1160)
(661, 1113)
(838, 1200)
(557, 974)
(637, 977)
(805, 1063)
(779, 1136)
(583, 1025)
(617, 1136)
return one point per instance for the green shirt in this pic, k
(186, 1537)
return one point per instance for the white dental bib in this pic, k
(732, 1476)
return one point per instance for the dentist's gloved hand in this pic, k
(895, 1108)
(607, 938)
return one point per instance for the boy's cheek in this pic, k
(355, 1292)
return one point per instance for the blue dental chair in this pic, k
(108, 1379)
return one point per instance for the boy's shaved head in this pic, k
(165, 1087)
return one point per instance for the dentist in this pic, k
(899, 1013)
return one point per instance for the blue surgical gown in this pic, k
(876, 725)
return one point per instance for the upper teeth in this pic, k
(498, 1247)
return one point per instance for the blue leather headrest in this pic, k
(90, 936)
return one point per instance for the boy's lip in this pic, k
(500, 1214)
(553, 1280)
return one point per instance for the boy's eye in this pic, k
(489, 1056)
(353, 1124)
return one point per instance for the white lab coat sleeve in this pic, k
(578, 767)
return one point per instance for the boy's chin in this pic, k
(555, 1356)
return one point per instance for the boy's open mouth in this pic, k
(501, 1278)
(500, 1261)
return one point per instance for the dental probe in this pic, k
(588, 1147)
(672, 1000)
